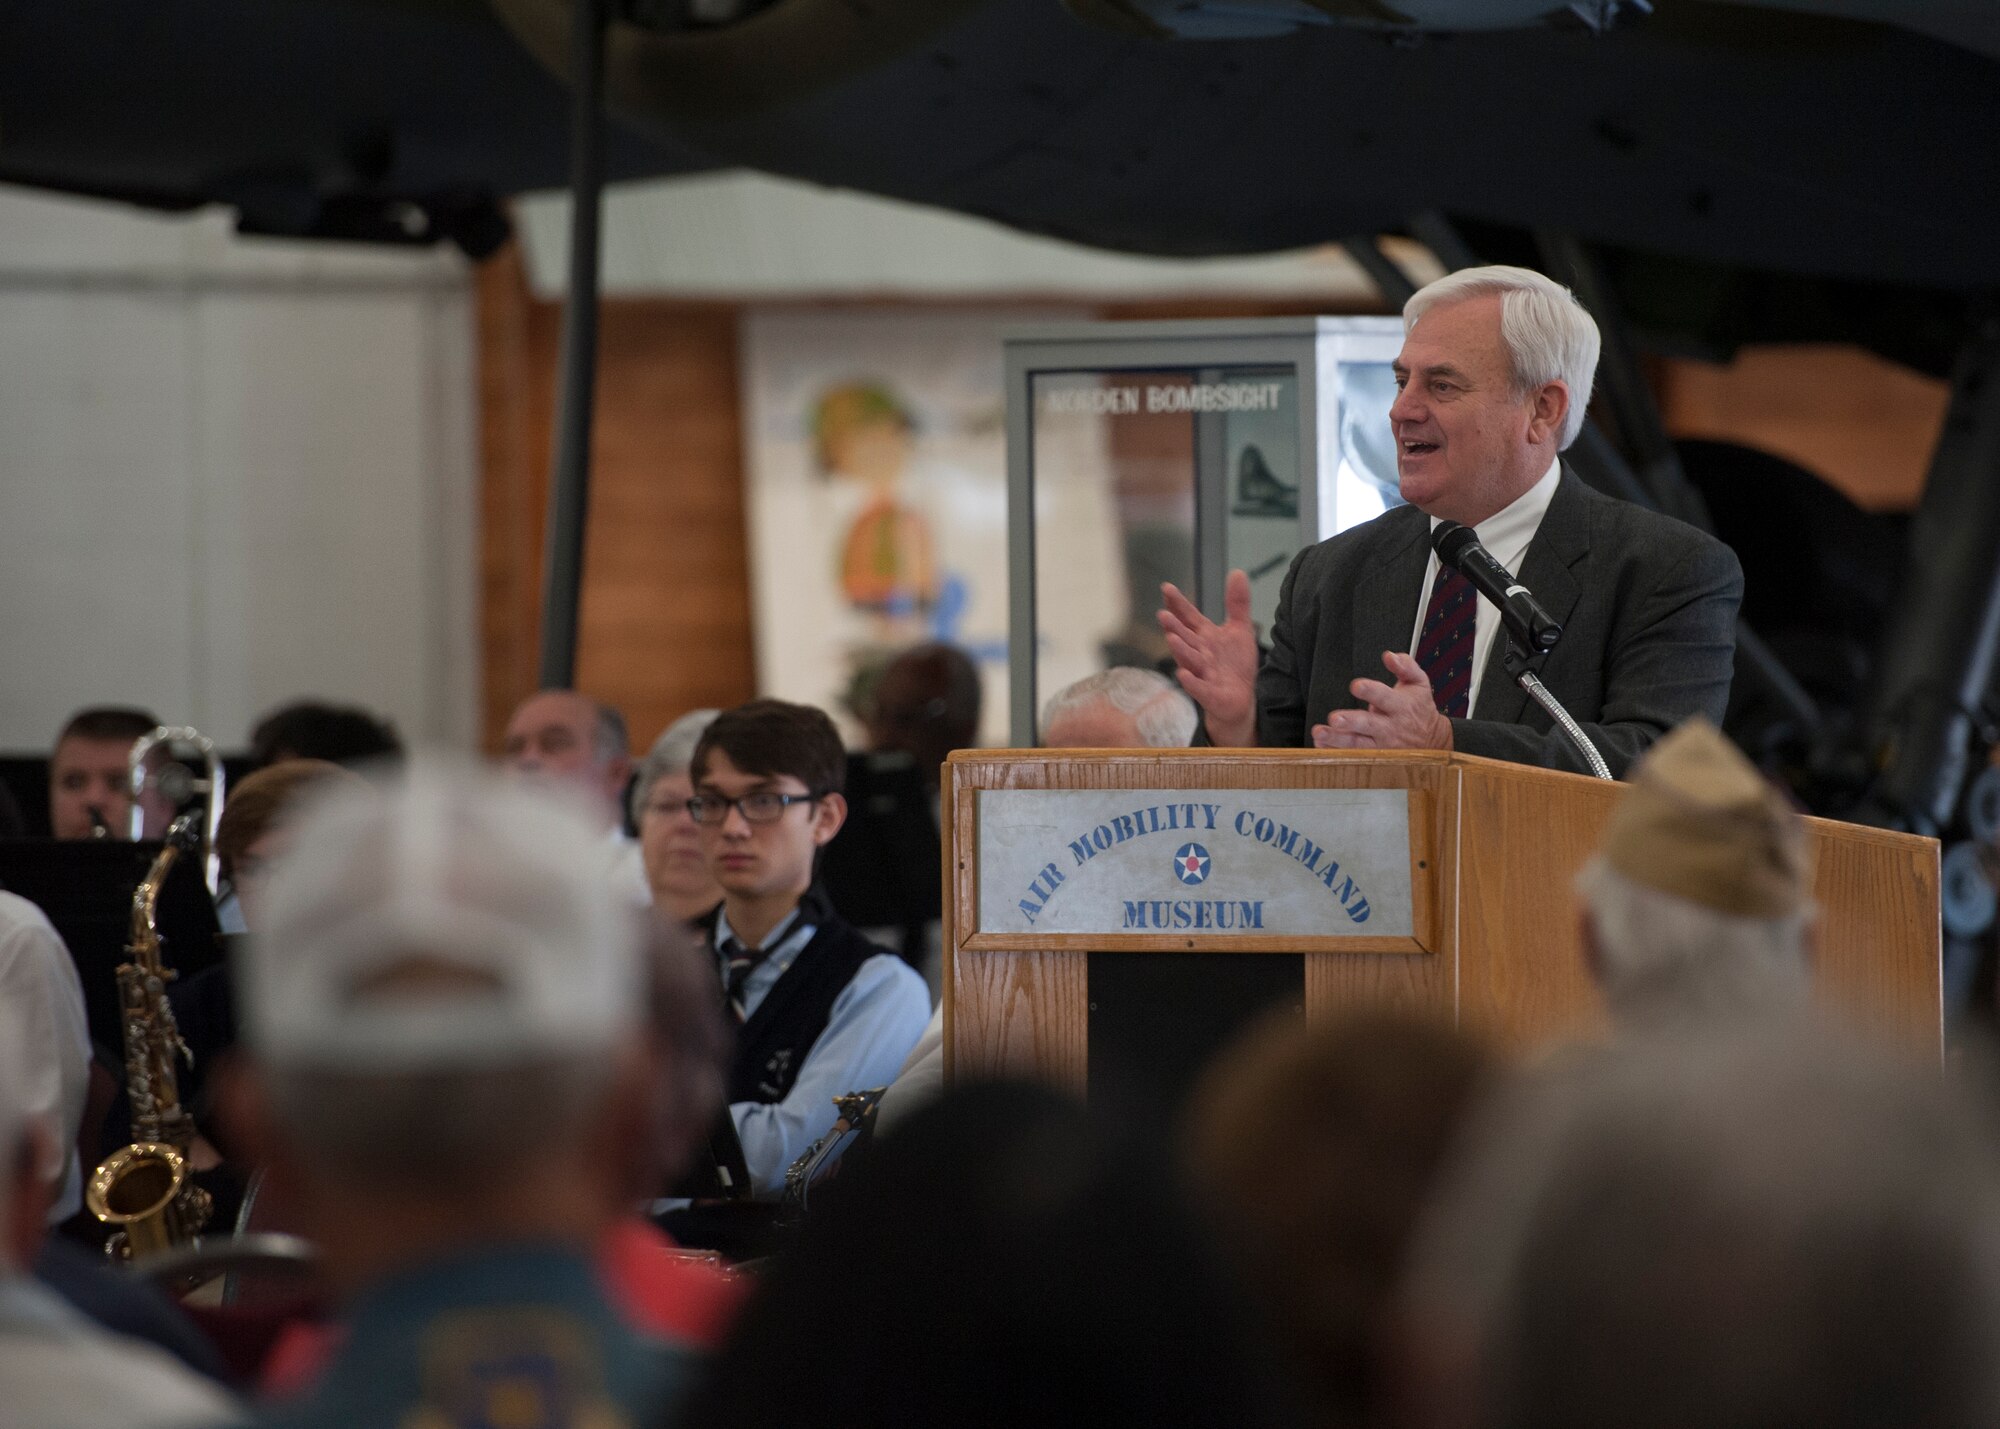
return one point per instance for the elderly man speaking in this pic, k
(1494, 376)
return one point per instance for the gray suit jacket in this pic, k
(1647, 605)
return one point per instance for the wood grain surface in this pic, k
(1879, 943)
(1523, 835)
(665, 619)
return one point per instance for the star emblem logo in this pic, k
(1191, 864)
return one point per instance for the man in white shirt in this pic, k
(1493, 379)
(40, 991)
(59, 1370)
(563, 739)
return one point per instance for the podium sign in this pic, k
(1248, 864)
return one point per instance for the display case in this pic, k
(1142, 452)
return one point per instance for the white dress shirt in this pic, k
(920, 1082)
(1505, 535)
(38, 983)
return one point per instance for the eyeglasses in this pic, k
(755, 808)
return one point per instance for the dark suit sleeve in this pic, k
(1671, 658)
(1281, 684)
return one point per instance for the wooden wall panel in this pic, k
(1864, 424)
(665, 622)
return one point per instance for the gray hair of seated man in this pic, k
(1657, 953)
(1166, 717)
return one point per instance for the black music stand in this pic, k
(883, 869)
(85, 887)
(718, 1171)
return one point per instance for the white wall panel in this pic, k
(223, 487)
(756, 237)
(97, 419)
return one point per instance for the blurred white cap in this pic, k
(452, 920)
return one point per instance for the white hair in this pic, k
(1660, 953)
(1166, 717)
(1550, 336)
(671, 753)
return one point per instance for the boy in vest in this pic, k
(818, 1009)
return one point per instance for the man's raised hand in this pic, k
(1400, 716)
(1218, 663)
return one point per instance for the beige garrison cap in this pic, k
(1699, 822)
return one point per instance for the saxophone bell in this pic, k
(146, 1192)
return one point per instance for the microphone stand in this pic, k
(1523, 671)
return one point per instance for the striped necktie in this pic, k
(1445, 647)
(742, 962)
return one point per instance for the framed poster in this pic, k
(877, 494)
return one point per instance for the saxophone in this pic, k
(146, 1190)
(818, 1162)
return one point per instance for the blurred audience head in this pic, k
(90, 772)
(1727, 1228)
(669, 841)
(926, 704)
(1124, 707)
(1699, 902)
(1001, 1260)
(346, 735)
(1312, 1149)
(560, 737)
(689, 1046)
(446, 1011)
(258, 824)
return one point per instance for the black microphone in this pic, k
(1458, 547)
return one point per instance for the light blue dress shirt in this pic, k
(875, 1021)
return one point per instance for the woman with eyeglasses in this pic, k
(676, 870)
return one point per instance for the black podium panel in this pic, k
(1156, 1018)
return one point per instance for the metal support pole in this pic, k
(569, 471)
(1938, 654)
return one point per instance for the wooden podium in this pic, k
(1493, 849)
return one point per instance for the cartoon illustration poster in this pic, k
(877, 495)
